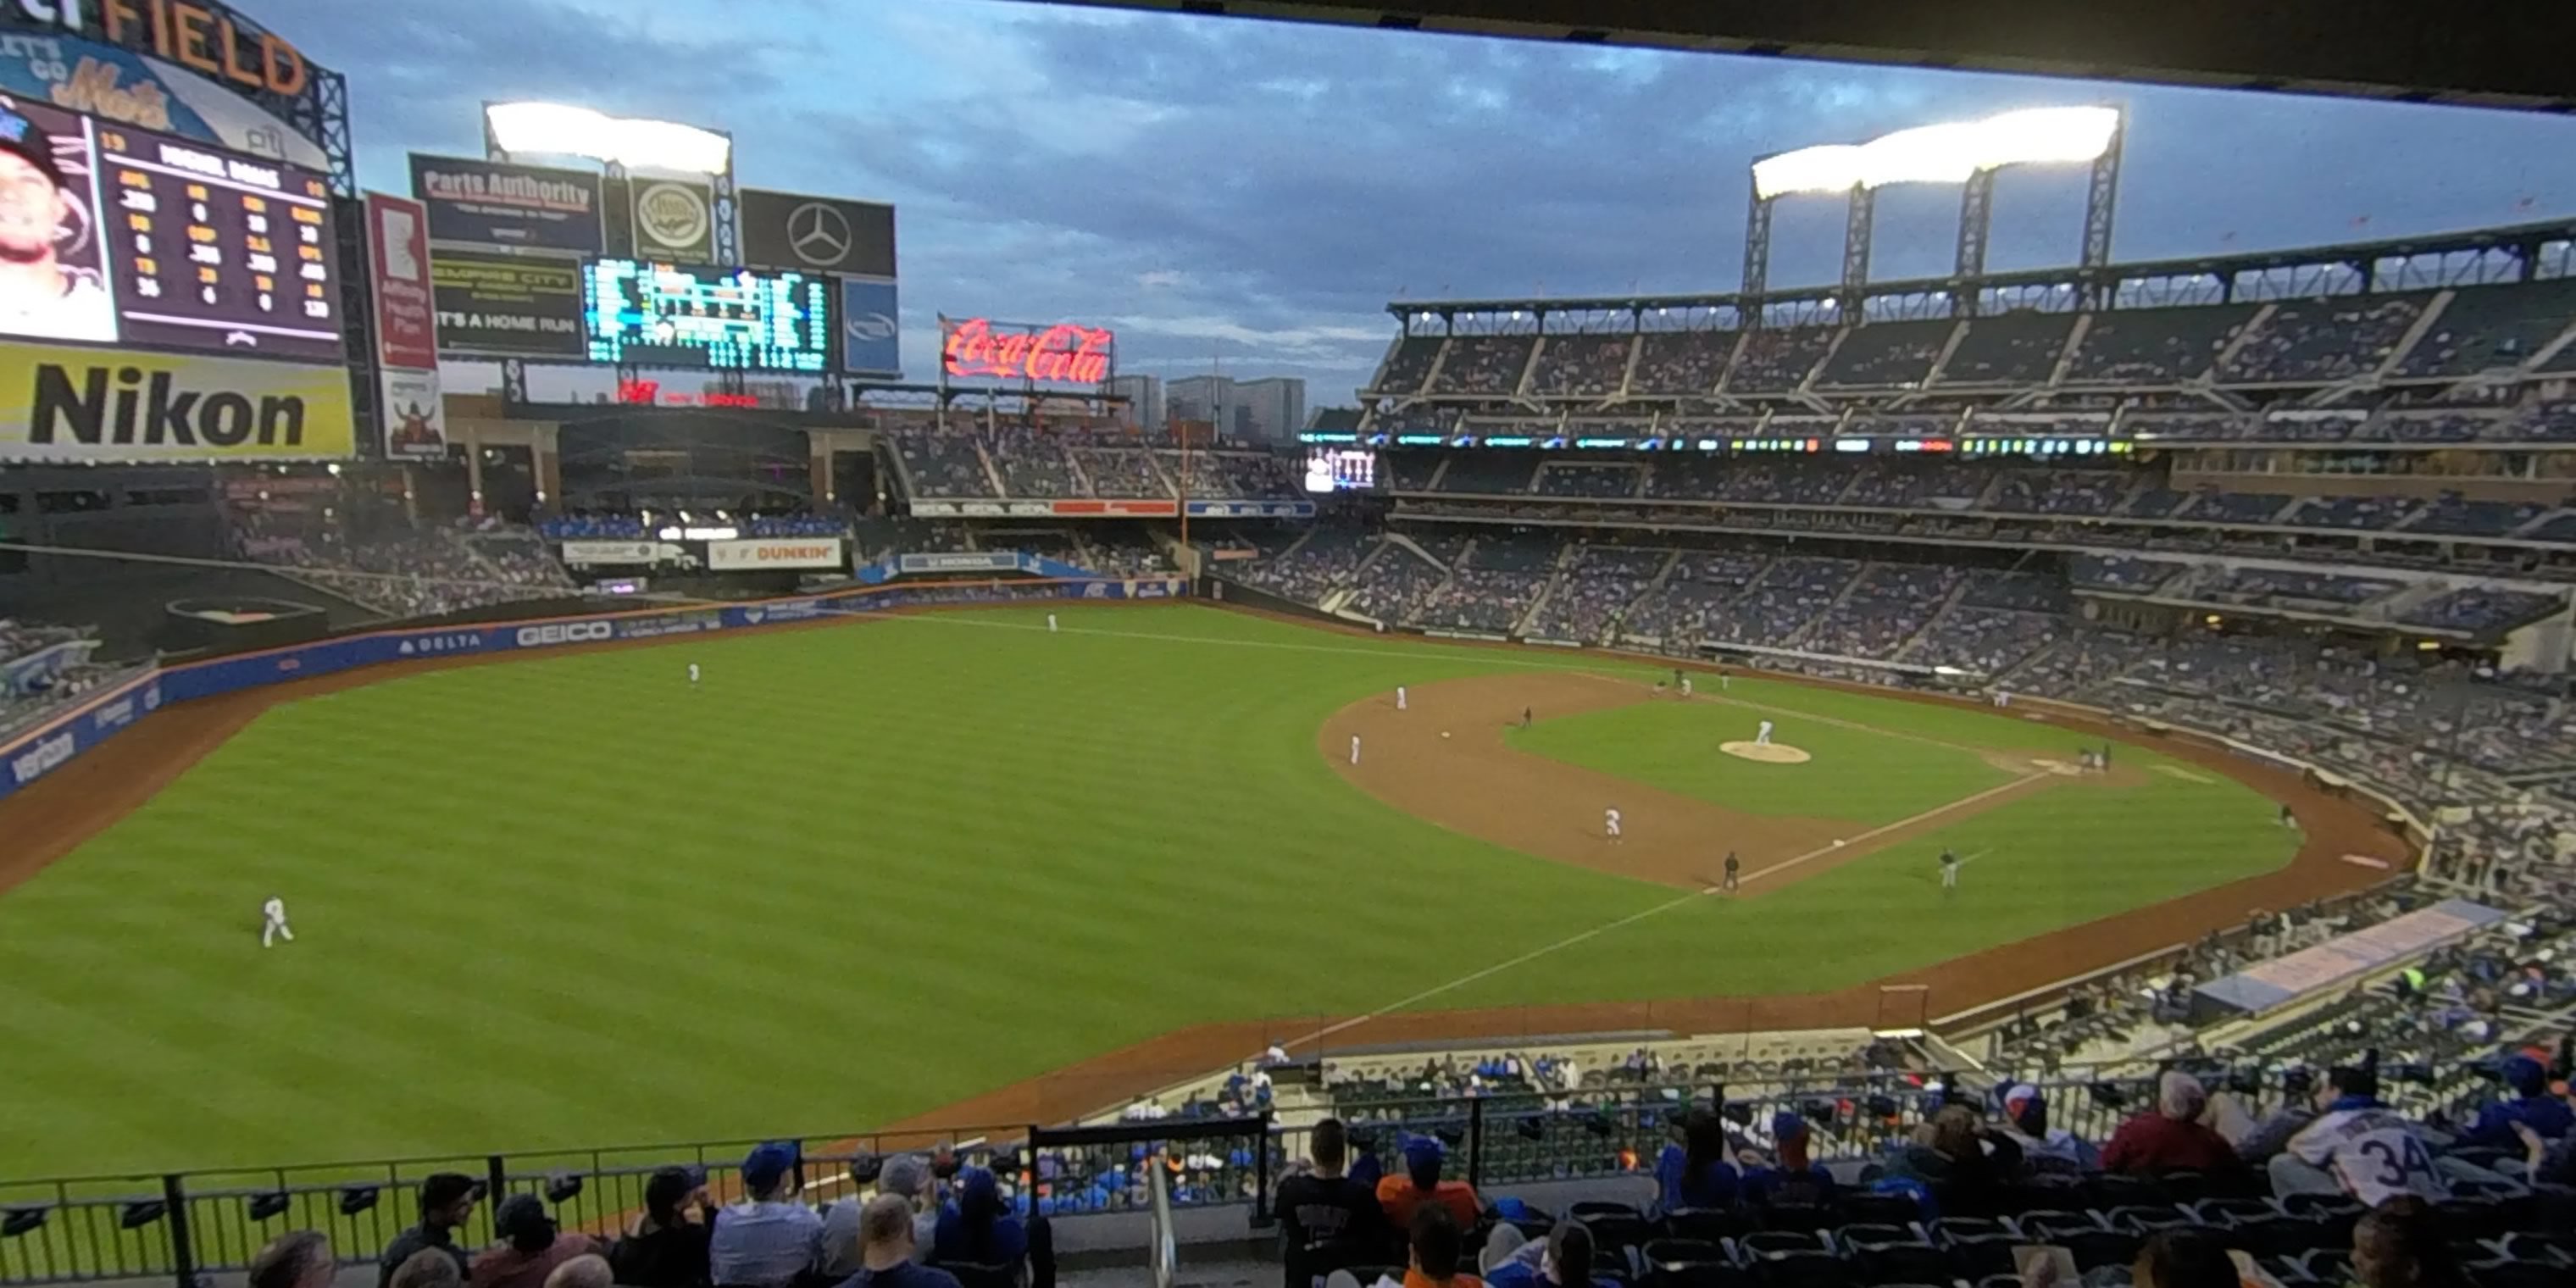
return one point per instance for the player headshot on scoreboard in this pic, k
(42, 211)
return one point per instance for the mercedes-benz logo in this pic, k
(818, 233)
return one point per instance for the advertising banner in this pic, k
(507, 305)
(608, 552)
(496, 203)
(674, 220)
(871, 329)
(1253, 510)
(100, 405)
(982, 509)
(797, 552)
(817, 234)
(406, 311)
(415, 416)
(129, 88)
(961, 561)
(1062, 354)
(53, 746)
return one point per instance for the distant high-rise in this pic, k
(1144, 395)
(1268, 410)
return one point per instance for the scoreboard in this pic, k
(660, 315)
(216, 251)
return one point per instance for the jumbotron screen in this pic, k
(659, 315)
(1340, 469)
(162, 243)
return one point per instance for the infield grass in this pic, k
(867, 870)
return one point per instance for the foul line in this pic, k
(1666, 906)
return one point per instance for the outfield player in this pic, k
(1610, 823)
(1762, 736)
(1732, 867)
(1355, 749)
(1050, 623)
(693, 675)
(1399, 697)
(1949, 869)
(272, 926)
(1685, 686)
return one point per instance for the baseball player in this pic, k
(1355, 749)
(1399, 697)
(1685, 686)
(1733, 865)
(2288, 819)
(693, 675)
(1050, 623)
(272, 926)
(1610, 823)
(1949, 869)
(1525, 717)
(1762, 736)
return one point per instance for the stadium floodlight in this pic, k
(1942, 153)
(557, 129)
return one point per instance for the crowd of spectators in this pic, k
(1776, 360)
(1587, 366)
(1603, 581)
(1681, 362)
(1885, 354)
(402, 570)
(2317, 340)
(1484, 364)
(944, 465)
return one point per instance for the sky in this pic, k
(1254, 194)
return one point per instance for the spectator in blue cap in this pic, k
(1789, 1177)
(767, 1239)
(2530, 1106)
(1421, 1184)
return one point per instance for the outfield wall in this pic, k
(45, 748)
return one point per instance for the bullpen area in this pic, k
(908, 867)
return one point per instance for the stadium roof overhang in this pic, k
(2517, 237)
(2483, 52)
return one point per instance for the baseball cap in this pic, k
(24, 138)
(523, 1220)
(2022, 1098)
(1423, 1150)
(906, 1175)
(767, 1164)
(1787, 1126)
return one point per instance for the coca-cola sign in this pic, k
(1063, 354)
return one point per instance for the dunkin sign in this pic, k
(796, 552)
(1063, 354)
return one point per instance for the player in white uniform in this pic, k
(272, 925)
(1399, 697)
(1762, 736)
(1355, 749)
(1610, 821)
(693, 675)
(1685, 686)
(1050, 623)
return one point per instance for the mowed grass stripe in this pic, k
(859, 873)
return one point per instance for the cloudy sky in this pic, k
(1261, 191)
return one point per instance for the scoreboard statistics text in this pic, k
(1340, 469)
(216, 251)
(659, 315)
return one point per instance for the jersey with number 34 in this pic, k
(2375, 1152)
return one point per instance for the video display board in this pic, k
(127, 236)
(662, 315)
(1340, 469)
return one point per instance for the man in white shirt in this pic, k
(39, 294)
(272, 925)
(2357, 1146)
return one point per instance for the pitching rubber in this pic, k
(1768, 753)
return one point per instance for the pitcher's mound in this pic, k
(1769, 753)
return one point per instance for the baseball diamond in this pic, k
(1065, 785)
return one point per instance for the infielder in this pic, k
(1732, 866)
(693, 675)
(1949, 869)
(1762, 736)
(1355, 749)
(1610, 823)
(273, 922)
(1399, 697)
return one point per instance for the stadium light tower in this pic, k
(1967, 153)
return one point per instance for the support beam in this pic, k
(1858, 215)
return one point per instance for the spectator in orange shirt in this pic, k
(1421, 1183)
(1435, 1251)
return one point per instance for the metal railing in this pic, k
(1166, 1244)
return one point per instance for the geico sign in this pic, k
(562, 633)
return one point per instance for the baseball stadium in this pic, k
(533, 756)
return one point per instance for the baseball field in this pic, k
(882, 870)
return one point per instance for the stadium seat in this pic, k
(1711, 1225)
(1879, 1209)
(2471, 1216)
(1811, 1269)
(1617, 1233)
(1690, 1263)
(1806, 1218)
(1774, 1243)
(2095, 1249)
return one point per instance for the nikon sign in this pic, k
(100, 405)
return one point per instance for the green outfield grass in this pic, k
(865, 871)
